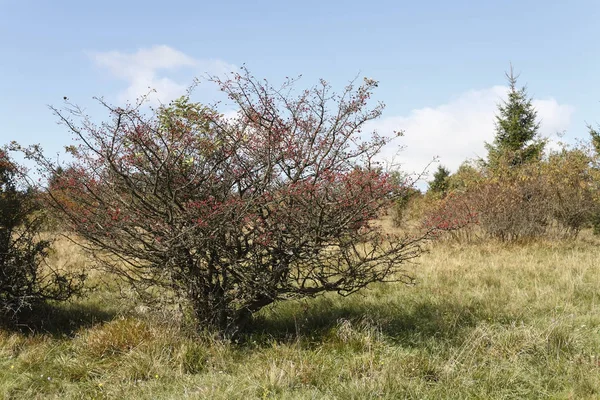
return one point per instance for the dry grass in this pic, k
(484, 321)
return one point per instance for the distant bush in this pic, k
(512, 205)
(451, 215)
(556, 196)
(468, 175)
(571, 189)
(25, 280)
(402, 206)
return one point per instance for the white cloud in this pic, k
(145, 69)
(454, 131)
(458, 130)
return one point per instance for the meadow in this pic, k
(484, 320)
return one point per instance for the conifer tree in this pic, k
(517, 138)
(439, 184)
(595, 138)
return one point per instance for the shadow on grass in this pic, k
(408, 324)
(58, 319)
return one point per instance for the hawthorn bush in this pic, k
(25, 278)
(453, 215)
(233, 214)
(553, 197)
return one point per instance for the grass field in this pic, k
(484, 321)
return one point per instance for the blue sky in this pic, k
(440, 64)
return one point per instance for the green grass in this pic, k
(484, 321)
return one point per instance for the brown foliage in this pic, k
(552, 197)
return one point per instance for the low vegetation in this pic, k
(486, 320)
(25, 279)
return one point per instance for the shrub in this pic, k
(235, 214)
(571, 188)
(553, 196)
(402, 205)
(512, 206)
(25, 280)
(451, 214)
(466, 177)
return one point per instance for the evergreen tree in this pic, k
(595, 141)
(595, 136)
(439, 184)
(517, 138)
